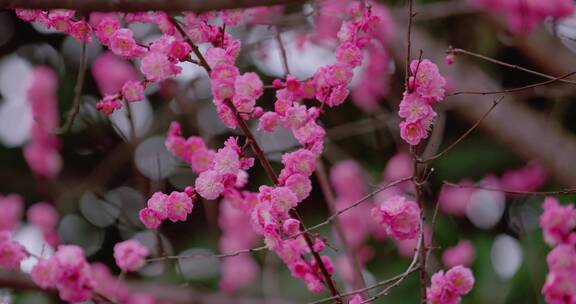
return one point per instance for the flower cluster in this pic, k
(425, 87)
(67, 271)
(174, 207)
(367, 92)
(558, 223)
(58, 19)
(399, 216)
(129, 255)
(523, 16)
(11, 253)
(449, 287)
(41, 153)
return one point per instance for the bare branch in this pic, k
(77, 93)
(513, 66)
(527, 87)
(569, 191)
(461, 138)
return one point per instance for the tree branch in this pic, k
(141, 5)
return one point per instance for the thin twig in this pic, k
(73, 112)
(350, 251)
(463, 136)
(218, 256)
(413, 266)
(513, 66)
(362, 290)
(283, 54)
(409, 42)
(569, 191)
(527, 87)
(358, 202)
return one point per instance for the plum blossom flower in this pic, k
(129, 255)
(399, 216)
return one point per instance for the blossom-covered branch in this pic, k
(141, 5)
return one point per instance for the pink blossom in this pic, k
(227, 161)
(133, 91)
(109, 104)
(349, 53)
(309, 133)
(81, 30)
(337, 96)
(283, 199)
(347, 179)
(239, 271)
(300, 185)
(28, 15)
(447, 288)
(41, 153)
(268, 122)
(150, 218)
(159, 203)
(357, 299)
(157, 67)
(398, 166)
(413, 132)
(413, 108)
(528, 178)
(179, 205)
(399, 216)
(426, 80)
(72, 274)
(218, 56)
(461, 254)
(11, 254)
(557, 221)
(202, 160)
(43, 273)
(106, 28)
(454, 200)
(291, 226)
(122, 42)
(301, 161)
(111, 73)
(11, 206)
(248, 86)
(209, 184)
(223, 78)
(129, 255)
(460, 279)
(43, 215)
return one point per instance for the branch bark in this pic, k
(141, 5)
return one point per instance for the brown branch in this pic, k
(282, 49)
(362, 290)
(142, 5)
(463, 136)
(569, 191)
(527, 87)
(73, 112)
(513, 66)
(358, 202)
(218, 256)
